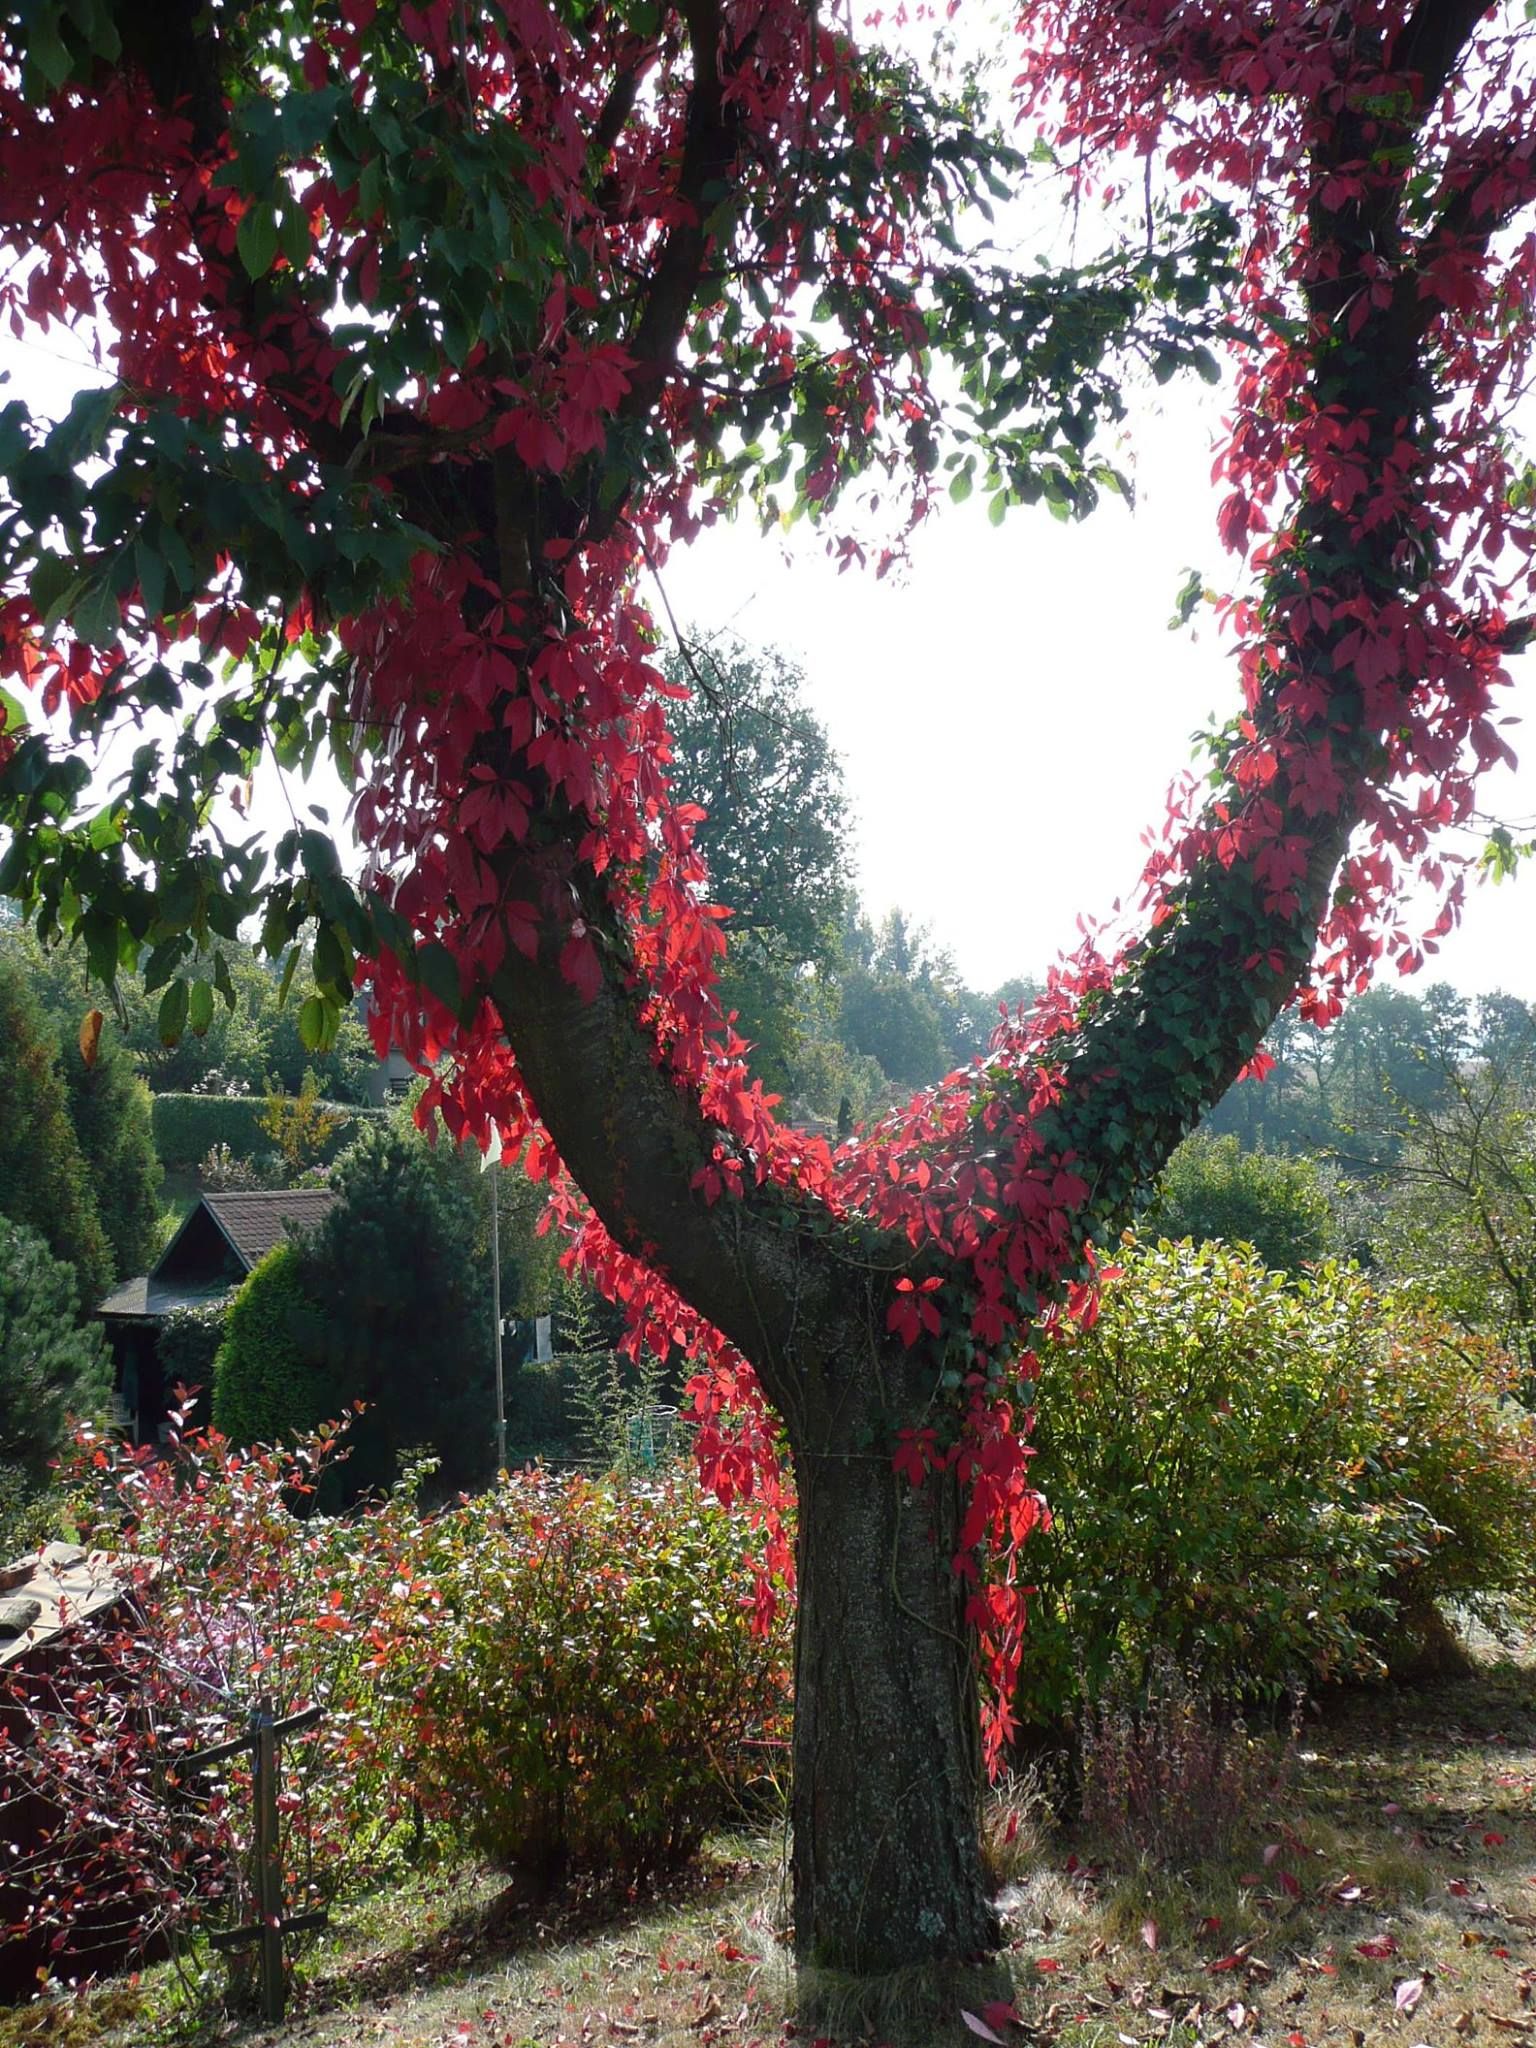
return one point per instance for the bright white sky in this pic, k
(1010, 715)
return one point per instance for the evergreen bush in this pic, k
(268, 1376)
(1265, 1479)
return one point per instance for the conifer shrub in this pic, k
(600, 1697)
(1267, 1479)
(50, 1365)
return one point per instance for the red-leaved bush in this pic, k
(231, 1599)
(562, 1675)
(600, 1693)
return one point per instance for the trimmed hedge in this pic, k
(187, 1127)
(266, 1381)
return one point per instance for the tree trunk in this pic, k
(887, 1776)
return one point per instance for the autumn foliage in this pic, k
(562, 1676)
(429, 327)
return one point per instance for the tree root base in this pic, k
(918, 2006)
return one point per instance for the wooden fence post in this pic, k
(262, 1737)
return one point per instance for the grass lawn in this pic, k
(1390, 1898)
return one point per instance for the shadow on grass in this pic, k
(514, 1922)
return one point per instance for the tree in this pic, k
(430, 325)
(758, 764)
(1459, 1218)
(752, 757)
(43, 1178)
(109, 1107)
(50, 1368)
(107, 1103)
(1212, 1190)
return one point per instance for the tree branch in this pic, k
(1432, 41)
(709, 151)
(770, 1275)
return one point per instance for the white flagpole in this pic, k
(491, 1157)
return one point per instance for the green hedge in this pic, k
(187, 1127)
(266, 1379)
(1267, 1479)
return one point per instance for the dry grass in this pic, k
(1392, 1901)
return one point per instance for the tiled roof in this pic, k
(250, 1223)
(149, 1298)
(255, 1220)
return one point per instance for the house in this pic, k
(219, 1242)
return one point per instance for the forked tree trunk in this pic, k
(887, 1777)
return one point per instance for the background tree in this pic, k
(751, 755)
(430, 331)
(109, 1107)
(1211, 1190)
(107, 1104)
(44, 1180)
(837, 1013)
(50, 1366)
(1456, 1217)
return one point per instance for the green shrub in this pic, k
(44, 1180)
(267, 1382)
(1212, 1189)
(600, 1697)
(50, 1366)
(1263, 1479)
(1450, 1434)
(187, 1127)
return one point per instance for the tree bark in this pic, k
(887, 1773)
